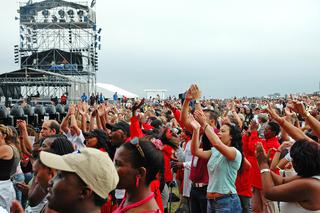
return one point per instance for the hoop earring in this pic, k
(137, 181)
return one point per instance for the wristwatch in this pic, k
(264, 170)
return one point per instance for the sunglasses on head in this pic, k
(135, 142)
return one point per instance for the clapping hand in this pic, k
(196, 93)
(71, 109)
(261, 155)
(168, 105)
(273, 114)
(193, 93)
(137, 105)
(253, 126)
(285, 145)
(200, 117)
(297, 107)
(194, 124)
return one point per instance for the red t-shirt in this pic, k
(63, 99)
(243, 182)
(135, 129)
(199, 170)
(167, 153)
(249, 150)
(108, 207)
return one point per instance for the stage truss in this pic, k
(60, 37)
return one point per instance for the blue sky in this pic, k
(230, 48)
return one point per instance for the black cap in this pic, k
(156, 123)
(99, 133)
(124, 126)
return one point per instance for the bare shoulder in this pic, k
(6, 152)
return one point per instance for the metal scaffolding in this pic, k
(28, 82)
(60, 37)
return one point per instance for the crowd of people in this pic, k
(232, 155)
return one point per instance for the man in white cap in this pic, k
(83, 182)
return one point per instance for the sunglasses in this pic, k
(135, 142)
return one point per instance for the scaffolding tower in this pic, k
(60, 37)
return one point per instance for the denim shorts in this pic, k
(226, 204)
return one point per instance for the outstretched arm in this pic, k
(185, 111)
(293, 131)
(314, 124)
(195, 150)
(227, 151)
(292, 190)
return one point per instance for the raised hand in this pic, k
(81, 111)
(298, 107)
(231, 106)
(168, 105)
(188, 94)
(253, 126)
(261, 155)
(273, 114)
(288, 112)
(137, 105)
(226, 120)
(71, 109)
(285, 145)
(200, 117)
(94, 111)
(193, 122)
(195, 92)
(101, 110)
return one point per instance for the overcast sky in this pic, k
(229, 47)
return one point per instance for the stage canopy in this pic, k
(21, 82)
(108, 90)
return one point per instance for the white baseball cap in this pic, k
(93, 166)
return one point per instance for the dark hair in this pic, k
(274, 127)
(236, 140)
(61, 146)
(311, 135)
(153, 160)
(206, 144)
(103, 140)
(306, 158)
(166, 135)
(213, 115)
(55, 125)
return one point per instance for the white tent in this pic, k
(108, 90)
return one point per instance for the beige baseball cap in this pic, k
(93, 166)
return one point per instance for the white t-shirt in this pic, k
(77, 140)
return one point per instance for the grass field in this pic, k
(174, 205)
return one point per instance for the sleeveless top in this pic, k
(294, 207)
(5, 167)
(16, 160)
